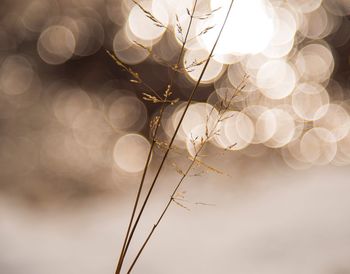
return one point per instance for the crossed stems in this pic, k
(209, 134)
(128, 236)
(131, 228)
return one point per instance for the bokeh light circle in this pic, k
(194, 62)
(130, 152)
(336, 120)
(310, 101)
(127, 113)
(276, 79)
(56, 45)
(16, 75)
(318, 146)
(143, 27)
(236, 132)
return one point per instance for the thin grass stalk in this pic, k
(164, 211)
(189, 168)
(126, 239)
(135, 76)
(122, 252)
(189, 101)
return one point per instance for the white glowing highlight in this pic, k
(249, 29)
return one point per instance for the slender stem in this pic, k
(185, 174)
(165, 209)
(134, 75)
(126, 239)
(122, 252)
(189, 101)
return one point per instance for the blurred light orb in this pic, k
(294, 149)
(143, 27)
(127, 113)
(292, 156)
(285, 129)
(318, 146)
(252, 65)
(126, 50)
(182, 22)
(249, 29)
(310, 101)
(56, 45)
(89, 36)
(282, 42)
(197, 114)
(314, 24)
(16, 75)
(265, 126)
(336, 120)
(285, 27)
(196, 139)
(236, 131)
(235, 73)
(130, 152)
(194, 62)
(279, 51)
(38, 12)
(254, 112)
(167, 122)
(115, 7)
(230, 96)
(276, 79)
(315, 62)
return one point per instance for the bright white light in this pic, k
(143, 27)
(249, 29)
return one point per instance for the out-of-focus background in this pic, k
(74, 135)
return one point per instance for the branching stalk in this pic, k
(128, 236)
(208, 136)
(189, 101)
(123, 250)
